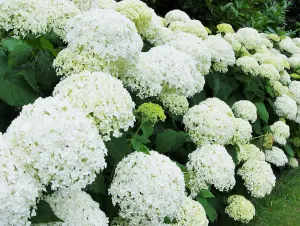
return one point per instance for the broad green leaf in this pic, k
(11, 44)
(147, 129)
(262, 111)
(137, 146)
(98, 186)
(117, 148)
(28, 72)
(44, 214)
(3, 62)
(206, 194)
(197, 98)
(233, 153)
(141, 139)
(202, 201)
(170, 140)
(46, 44)
(289, 150)
(211, 212)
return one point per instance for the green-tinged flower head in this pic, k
(208, 30)
(240, 209)
(175, 103)
(293, 163)
(137, 11)
(225, 28)
(268, 141)
(273, 37)
(280, 89)
(151, 112)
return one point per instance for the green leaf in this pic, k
(98, 186)
(12, 44)
(262, 111)
(210, 212)
(170, 140)
(44, 214)
(198, 97)
(147, 128)
(137, 146)
(141, 139)
(28, 72)
(206, 194)
(182, 167)
(3, 62)
(46, 44)
(233, 153)
(202, 201)
(117, 148)
(289, 150)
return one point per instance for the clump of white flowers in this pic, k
(242, 131)
(289, 46)
(59, 12)
(208, 124)
(210, 165)
(193, 46)
(280, 131)
(24, 17)
(285, 78)
(249, 37)
(103, 98)
(86, 5)
(279, 89)
(294, 61)
(114, 48)
(176, 15)
(240, 209)
(245, 109)
(194, 27)
(164, 66)
(294, 88)
(219, 104)
(293, 162)
(250, 151)
(176, 104)
(276, 156)
(57, 143)
(147, 188)
(221, 52)
(269, 71)
(137, 11)
(248, 64)
(258, 177)
(76, 208)
(19, 190)
(285, 107)
(191, 213)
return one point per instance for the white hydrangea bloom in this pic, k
(194, 27)
(285, 78)
(221, 51)
(176, 15)
(118, 45)
(285, 107)
(164, 66)
(246, 110)
(280, 131)
(297, 119)
(269, 71)
(86, 5)
(19, 190)
(276, 156)
(24, 17)
(75, 208)
(242, 131)
(103, 98)
(176, 104)
(294, 88)
(265, 40)
(59, 12)
(293, 162)
(191, 213)
(193, 46)
(137, 11)
(248, 65)
(217, 103)
(240, 209)
(60, 145)
(289, 46)
(250, 151)
(297, 41)
(279, 89)
(249, 37)
(294, 61)
(147, 188)
(258, 177)
(232, 40)
(210, 165)
(208, 124)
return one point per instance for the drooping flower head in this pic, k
(276, 156)
(285, 107)
(249, 37)
(176, 15)
(289, 46)
(194, 27)
(246, 110)
(280, 131)
(250, 151)
(248, 64)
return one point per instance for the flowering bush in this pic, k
(124, 117)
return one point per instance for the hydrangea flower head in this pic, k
(151, 112)
(280, 131)
(246, 110)
(225, 28)
(276, 156)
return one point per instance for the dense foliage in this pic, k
(115, 115)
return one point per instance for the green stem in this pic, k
(254, 138)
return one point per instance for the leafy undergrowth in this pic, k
(281, 208)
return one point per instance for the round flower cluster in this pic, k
(248, 64)
(279, 89)
(258, 177)
(210, 165)
(221, 52)
(193, 46)
(240, 209)
(147, 188)
(191, 213)
(24, 17)
(151, 112)
(249, 37)
(86, 5)
(194, 27)
(250, 151)
(246, 110)
(176, 15)
(76, 208)
(285, 78)
(19, 190)
(208, 124)
(57, 143)
(114, 48)
(176, 104)
(294, 88)
(276, 156)
(289, 46)
(219, 104)
(242, 131)
(225, 28)
(297, 41)
(285, 107)
(269, 71)
(293, 162)
(137, 11)
(103, 98)
(280, 131)
(164, 66)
